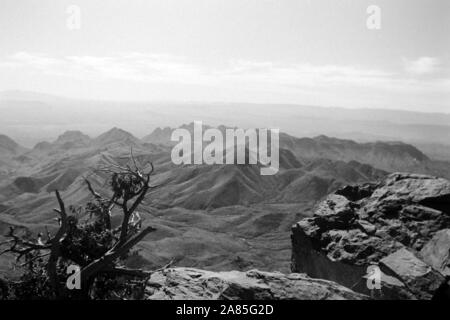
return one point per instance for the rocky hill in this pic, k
(220, 217)
(9, 147)
(400, 225)
(389, 156)
(214, 217)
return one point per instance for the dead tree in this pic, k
(129, 185)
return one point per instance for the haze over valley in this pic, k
(217, 217)
(355, 95)
(31, 118)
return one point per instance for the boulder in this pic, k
(436, 252)
(398, 219)
(421, 279)
(189, 283)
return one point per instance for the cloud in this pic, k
(125, 66)
(168, 68)
(421, 66)
(25, 59)
(262, 76)
(306, 75)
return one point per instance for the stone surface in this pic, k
(189, 283)
(374, 223)
(436, 252)
(421, 279)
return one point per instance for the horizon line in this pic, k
(103, 100)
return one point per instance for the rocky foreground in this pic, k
(401, 226)
(188, 283)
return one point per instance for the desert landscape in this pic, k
(225, 217)
(224, 150)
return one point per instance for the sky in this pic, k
(319, 52)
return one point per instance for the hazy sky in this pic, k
(306, 52)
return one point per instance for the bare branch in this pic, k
(134, 160)
(115, 252)
(55, 244)
(35, 258)
(93, 192)
(168, 265)
(20, 246)
(129, 272)
(106, 210)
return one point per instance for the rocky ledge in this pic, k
(400, 225)
(188, 283)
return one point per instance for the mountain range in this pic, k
(219, 217)
(31, 117)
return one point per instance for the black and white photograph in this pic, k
(241, 151)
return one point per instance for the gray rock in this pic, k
(421, 279)
(353, 229)
(189, 283)
(436, 252)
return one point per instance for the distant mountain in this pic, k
(213, 186)
(389, 156)
(73, 139)
(9, 148)
(159, 135)
(68, 141)
(11, 156)
(8, 145)
(42, 146)
(163, 135)
(62, 163)
(116, 136)
(385, 155)
(299, 120)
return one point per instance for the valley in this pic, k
(215, 217)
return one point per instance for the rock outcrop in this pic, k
(188, 283)
(400, 225)
(436, 252)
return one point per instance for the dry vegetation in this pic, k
(95, 246)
